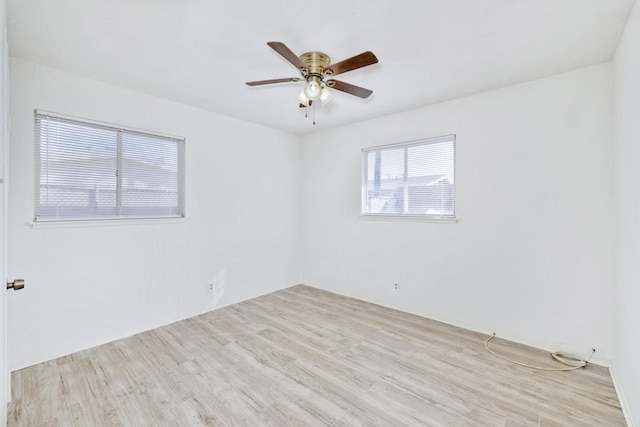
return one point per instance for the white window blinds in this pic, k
(88, 170)
(412, 179)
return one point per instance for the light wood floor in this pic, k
(303, 356)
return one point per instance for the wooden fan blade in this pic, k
(349, 88)
(305, 106)
(287, 54)
(353, 63)
(268, 82)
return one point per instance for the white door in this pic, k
(4, 113)
(4, 375)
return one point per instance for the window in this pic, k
(89, 170)
(412, 179)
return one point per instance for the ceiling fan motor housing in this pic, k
(316, 62)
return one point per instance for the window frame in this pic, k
(120, 218)
(452, 218)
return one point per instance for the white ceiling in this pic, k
(200, 52)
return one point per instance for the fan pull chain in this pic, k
(314, 113)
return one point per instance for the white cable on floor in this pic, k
(562, 358)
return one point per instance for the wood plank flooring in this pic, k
(306, 357)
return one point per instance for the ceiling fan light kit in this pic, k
(313, 88)
(315, 68)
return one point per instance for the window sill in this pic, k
(416, 218)
(105, 222)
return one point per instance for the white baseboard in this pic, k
(621, 399)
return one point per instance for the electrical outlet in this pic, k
(396, 287)
(210, 287)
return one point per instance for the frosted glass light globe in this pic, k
(303, 99)
(325, 96)
(313, 89)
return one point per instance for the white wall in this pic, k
(626, 368)
(531, 256)
(90, 285)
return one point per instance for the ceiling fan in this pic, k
(317, 71)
